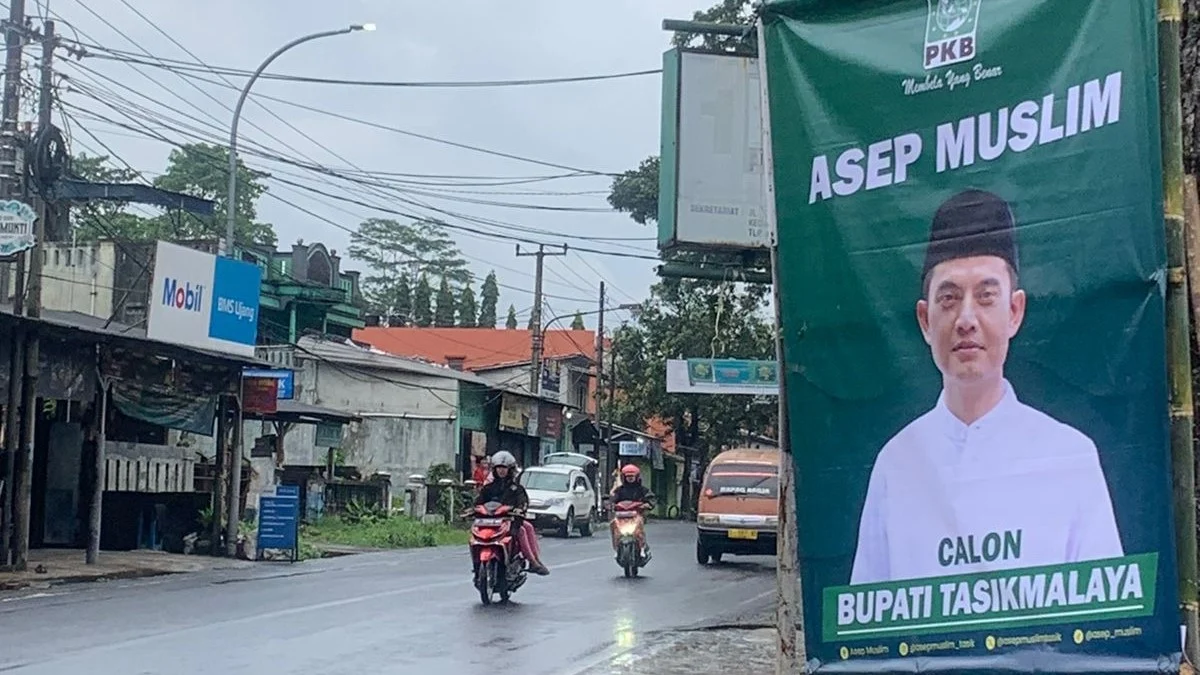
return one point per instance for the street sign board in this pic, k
(201, 300)
(632, 449)
(279, 523)
(328, 436)
(287, 490)
(722, 376)
(711, 180)
(16, 227)
(285, 376)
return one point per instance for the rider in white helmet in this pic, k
(505, 489)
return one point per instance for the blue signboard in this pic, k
(286, 378)
(278, 524)
(235, 301)
(287, 491)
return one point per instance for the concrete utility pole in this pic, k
(10, 188)
(33, 364)
(789, 655)
(602, 474)
(535, 367)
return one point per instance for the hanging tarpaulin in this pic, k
(971, 267)
(166, 408)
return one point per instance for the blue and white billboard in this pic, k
(200, 300)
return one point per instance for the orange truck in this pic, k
(738, 510)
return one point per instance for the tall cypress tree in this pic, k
(422, 312)
(467, 311)
(489, 296)
(443, 316)
(511, 322)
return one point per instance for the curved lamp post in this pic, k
(237, 114)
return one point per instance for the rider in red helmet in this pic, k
(631, 489)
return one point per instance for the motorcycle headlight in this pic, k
(627, 528)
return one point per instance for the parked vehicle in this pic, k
(589, 466)
(627, 515)
(499, 565)
(560, 498)
(738, 510)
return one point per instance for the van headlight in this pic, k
(709, 519)
(555, 501)
(773, 521)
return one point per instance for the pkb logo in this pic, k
(950, 32)
(186, 297)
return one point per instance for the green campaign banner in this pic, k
(972, 265)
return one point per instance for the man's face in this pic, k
(501, 471)
(969, 315)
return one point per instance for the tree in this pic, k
(467, 311)
(635, 191)
(511, 322)
(443, 316)
(398, 253)
(577, 323)
(490, 295)
(399, 303)
(202, 170)
(691, 318)
(422, 312)
(103, 219)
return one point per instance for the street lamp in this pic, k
(237, 114)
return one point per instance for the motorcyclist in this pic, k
(505, 489)
(630, 489)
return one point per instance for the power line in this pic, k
(178, 65)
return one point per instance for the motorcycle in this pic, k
(629, 554)
(500, 569)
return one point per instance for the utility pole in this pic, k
(10, 188)
(602, 474)
(33, 364)
(789, 652)
(535, 367)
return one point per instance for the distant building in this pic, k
(303, 290)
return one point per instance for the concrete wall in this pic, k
(76, 278)
(573, 379)
(409, 419)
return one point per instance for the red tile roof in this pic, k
(479, 348)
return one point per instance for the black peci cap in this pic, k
(971, 223)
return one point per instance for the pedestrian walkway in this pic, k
(49, 567)
(737, 650)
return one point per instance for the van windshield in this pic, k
(744, 484)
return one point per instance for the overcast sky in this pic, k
(605, 126)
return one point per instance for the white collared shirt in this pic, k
(1017, 488)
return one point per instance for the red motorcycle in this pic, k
(495, 555)
(627, 515)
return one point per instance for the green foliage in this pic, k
(635, 192)
(422, 303)
(728, 12)
(205, 518)
(577, 323)
(400, 532)
(197, 169)
(397, 254)
(467, 311)
(202, 170)
(362, 512)
(511, 322)
(443, 316)
(489, 296)
(692, 318)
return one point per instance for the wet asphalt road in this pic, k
(395, 612)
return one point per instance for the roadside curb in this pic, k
(85, 578)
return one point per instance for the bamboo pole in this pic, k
(1191, 221)
(1179, 369)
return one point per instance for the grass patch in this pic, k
(396, 532)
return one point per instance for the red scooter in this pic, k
(629, 554)
(498, 563)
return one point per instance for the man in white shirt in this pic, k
(982, 481)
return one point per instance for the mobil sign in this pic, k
(200, 300)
